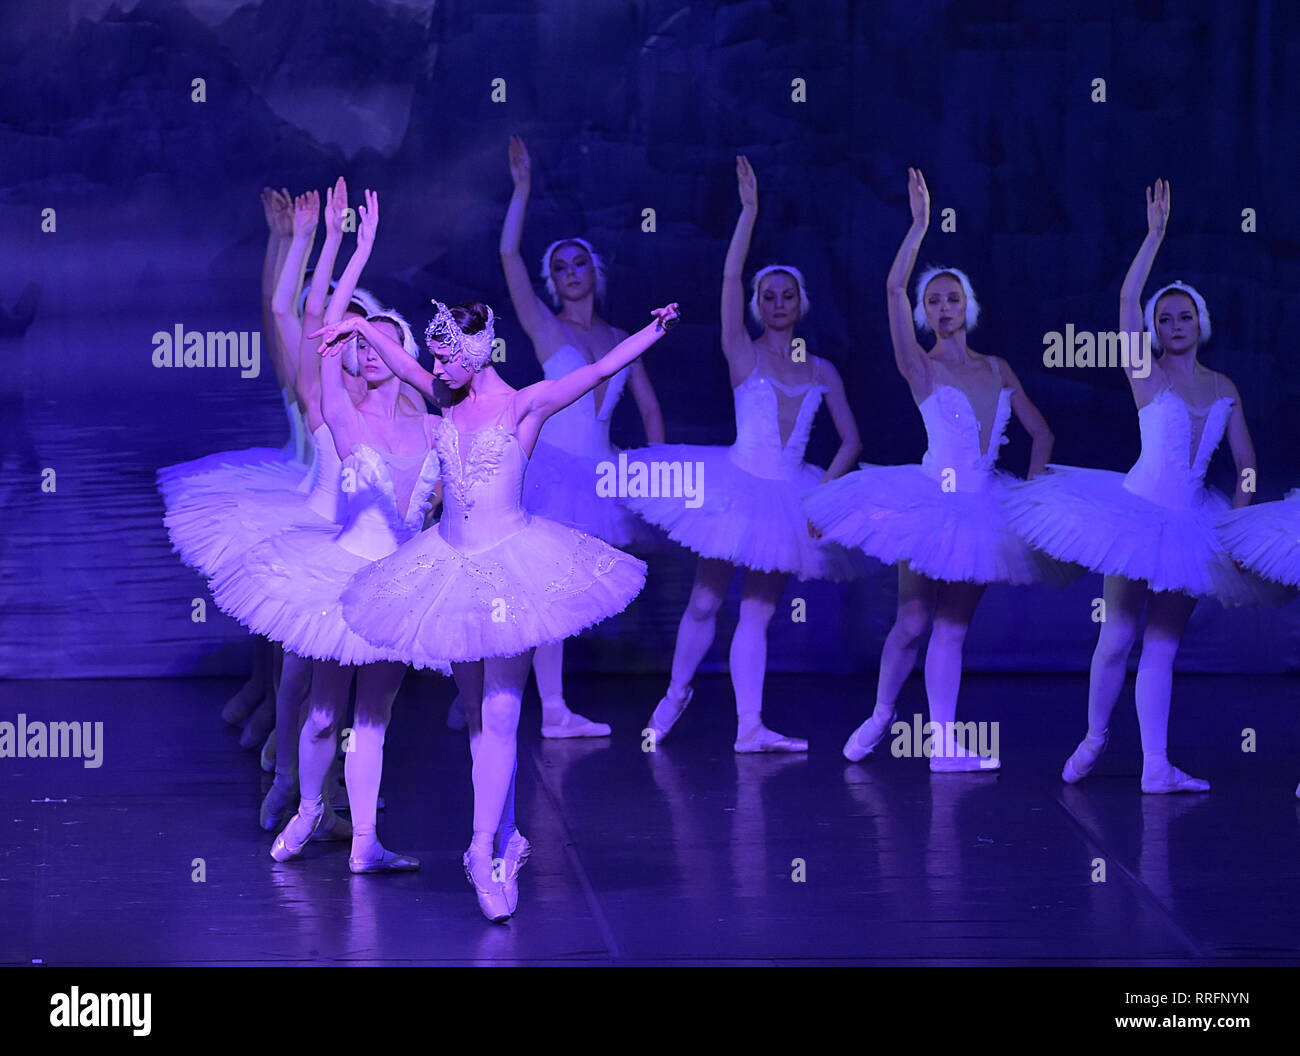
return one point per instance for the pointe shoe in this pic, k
(387, 862)
(491, 894)
(765, 740)
(259, 724)
(268, 752)
(962, 761)
(1173, 780)
(514, 856)
(574, 725)
(863, 741)
(285, 849)
(1085, 757)
(277, 799)
(666, 714)
(456, 715)
(241, 705)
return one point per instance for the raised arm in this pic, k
(313, 312)
(1130, 293)
(543, 399)
(278, 234)
(910, 357)
(1040, 434)
(1243, 452)
(368, 225)
(333, 338)
(531, 311)
(288, 327)
(336, 405)
(845, 424)
(736, 345)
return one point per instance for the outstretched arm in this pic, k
(845, 424)
(1040, 434)
(735, 338)
(910, 357)
(543, 399)
(1130, 293)
(532, 313)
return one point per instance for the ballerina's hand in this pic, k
(667, 317)
(521, 166)
(369, 216)
(746, 182)
(1158, 208)
(269, 207)
(306, 208)
(918, 197)
(336, 204)
(333, 335)
(283, 212)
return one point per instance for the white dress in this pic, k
(289, 586)
(750, 509)
(491, 580)
(943, 517)
(1154, 524)
(564, 466)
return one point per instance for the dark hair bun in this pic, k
(470, 316)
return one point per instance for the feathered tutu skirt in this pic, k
(289, 588)
(901, 513)
(429, 602)
(751, 521)
(1266, 538)
(1089, 517)
(561, 486)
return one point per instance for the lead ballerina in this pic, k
(941, 521)
(492, 582)
(1150, 531)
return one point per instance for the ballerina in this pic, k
(562, 470)
(752, 517)
(939, 521)
(288, 587)
(493, 581)
(1152, 531)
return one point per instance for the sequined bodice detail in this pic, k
(953, 435)
(580, 429)
(1178, 441)
(483, 479)
(759, 448)
(321, 485)
(372, 483)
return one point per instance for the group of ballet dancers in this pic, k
(473, 541)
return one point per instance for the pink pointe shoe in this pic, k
(296, 834)
(864, 740)
(1170, 779)
(1085, 757)
(666, 714)
(513, 859)
(491, 893)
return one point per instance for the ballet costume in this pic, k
(751, 513)
(1265, 538)
(1156, 524)
(491, 581)
(943, 517)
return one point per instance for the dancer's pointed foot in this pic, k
(513, 857)
(1162, 780)
(283, 791)
(456, 715)
(761, 739)
(667, 712)
(479, 871)
(293, 839)
(385, 861)
(259, 724)
(1085, 757)
(241, 705)
(268, 752)
(961, 761)
(862, 741)
(559, 723)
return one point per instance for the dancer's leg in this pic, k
(694, 637)
(955, 606)
(469, 690)
(557, 720)
(377, 686)
(262, 719)
(748, 663)
(1167, 616)
(295, 683)
(1123, 601)
(250, 694)
(916, 601)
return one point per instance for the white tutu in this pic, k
(561, 486)
(226, 473)
(901, 513)
(430, 602)
(1089, 517)
(751, 521)
(1266, 538)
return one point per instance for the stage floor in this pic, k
(686, 855)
